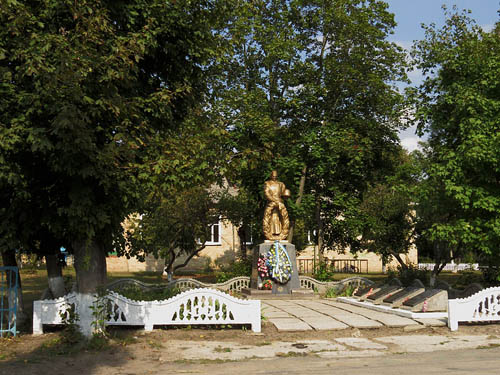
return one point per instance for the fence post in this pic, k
(9, 284)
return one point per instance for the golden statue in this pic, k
(275, 223)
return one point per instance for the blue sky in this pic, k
(410, 14)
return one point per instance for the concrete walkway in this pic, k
(303, 315)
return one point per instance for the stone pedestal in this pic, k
(292, 284)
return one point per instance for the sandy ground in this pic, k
(138, 352)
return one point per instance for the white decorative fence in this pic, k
(307, 282)
(480, 307)
(453, 267)
(238, 283)
(193, 307)
(235, 284)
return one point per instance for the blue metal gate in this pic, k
(9, 285)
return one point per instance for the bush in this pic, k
(334, 292)
(235, 269)
(407, 276)
(491, 275)
(323, 272)
(138, 294)
(466, 278)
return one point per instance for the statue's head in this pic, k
(274, 175)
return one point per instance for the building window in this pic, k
(215, 238)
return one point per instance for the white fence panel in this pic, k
(205, 306)
(193, 307)
(480, 307)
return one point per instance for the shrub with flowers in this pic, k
(267, 285)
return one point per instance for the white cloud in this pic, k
(487, 27)
(405, 44)
(409, 140)
(411, 143)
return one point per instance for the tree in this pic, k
(180, 195)
(457, 107)
(389, 207)
(308, 91)
(89, 88)
(173, 226)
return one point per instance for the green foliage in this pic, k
(157, 294)
(468, 277)
(91, 93)
(457, 107)
(323, 272)
(389, 211)
(71, 334)
(100, 313)
(334, 292)
(173, 223)
(235, 269)
(409, 274)
(307, 89)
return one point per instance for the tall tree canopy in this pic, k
(88, 88)
(307, 88)
(458, 107)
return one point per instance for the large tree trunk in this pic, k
(9, 260)
(320, 234)
(90, 266)
(400, 260)
(243, 242)
(298, 201)
(54, 273)
(440, 259)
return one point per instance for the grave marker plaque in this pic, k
(383, 293)
(430, 300)
(397, 299)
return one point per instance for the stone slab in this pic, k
(306, 314)
(383, 293)
(362, 291)
(289, 324)
(250, 293)
(387, 319)
(402, 296)
(276, 314)
(361, 343)
(324, 323)
(432, 322)
(351, 354)
(426, 343)
(351, 319)
(430, 300)
(285, 304)
(396, 311)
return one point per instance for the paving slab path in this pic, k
(325, 314)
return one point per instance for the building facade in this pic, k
(224, 247)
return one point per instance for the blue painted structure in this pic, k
(9, 287)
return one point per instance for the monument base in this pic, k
(292, 286)
(264, 294)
